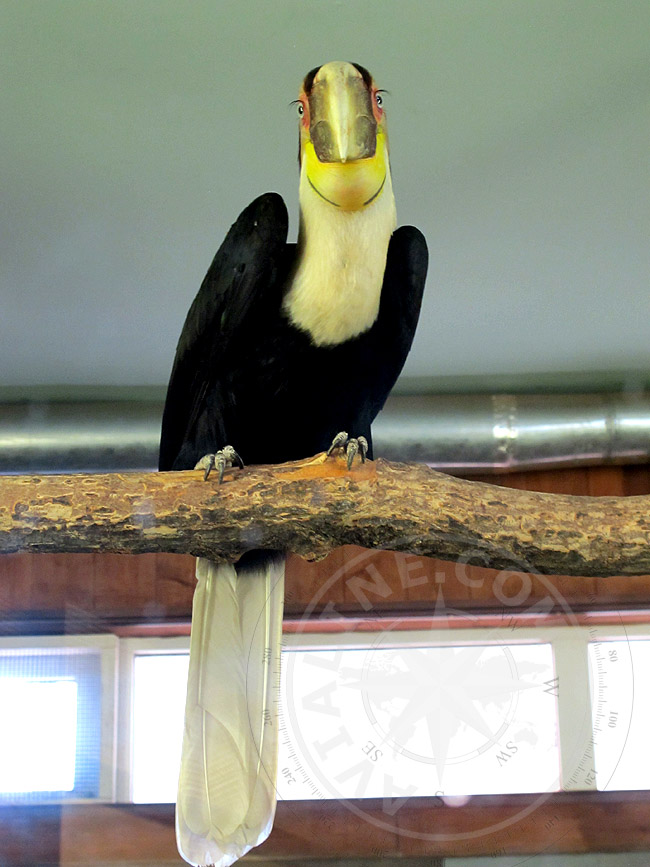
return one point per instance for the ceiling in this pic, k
(133, 133)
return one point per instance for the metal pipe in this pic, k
(495, 433)
(79, 436)
(464, 434)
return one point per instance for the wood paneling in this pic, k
(601, 481)
(52, 593)
(636, 480)
(118, 834)
(29, 835)
(88, 592)
(486, 825)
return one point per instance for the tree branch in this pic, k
(310, 507)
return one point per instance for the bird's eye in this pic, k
(379, 100)
(300, 109)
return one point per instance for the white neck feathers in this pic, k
(336, 289)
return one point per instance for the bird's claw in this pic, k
(352, 445)
(356, 445)
(221, 460)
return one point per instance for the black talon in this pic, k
(210, 462)
(221, 467)
(351, 449)
(221, 460)
(339, 442)
(352, 445)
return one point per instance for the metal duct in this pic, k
(464, 434)
(79, 436)
(495, 433)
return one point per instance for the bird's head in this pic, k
(343, 144)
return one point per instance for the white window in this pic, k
(431, 715)
(159, 684)
(57, 719)
(38, 757)
(620, 706)
(389, 714)
(153, 681)
(362, 718)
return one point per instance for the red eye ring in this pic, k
(378, 104)
(302, 108)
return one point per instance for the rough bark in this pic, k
(310, 507)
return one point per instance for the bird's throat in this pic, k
(336, 288)
(349, 186)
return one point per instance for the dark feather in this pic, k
(245, 376)
(245, 267)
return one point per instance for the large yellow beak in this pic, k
(345, 153)
(342, 125)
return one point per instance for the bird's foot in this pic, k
(352, 445)
(221, 460)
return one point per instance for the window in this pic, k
(153, 682)
(394, 713)
(419, 718)
(620, 709)
(57, 720)
(360, 715)
(35, 757)
(159, 684)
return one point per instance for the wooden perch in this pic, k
(310, 507)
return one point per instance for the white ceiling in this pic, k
(132, 133)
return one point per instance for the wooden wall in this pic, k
(139, 835)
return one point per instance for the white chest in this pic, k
(336, 289)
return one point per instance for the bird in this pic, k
(288, 350)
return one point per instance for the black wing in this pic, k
(399, 310)
(244, 271)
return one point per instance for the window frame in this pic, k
(106, 646)
(129, 648)
(569, 644)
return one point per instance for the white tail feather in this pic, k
(226, 788)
